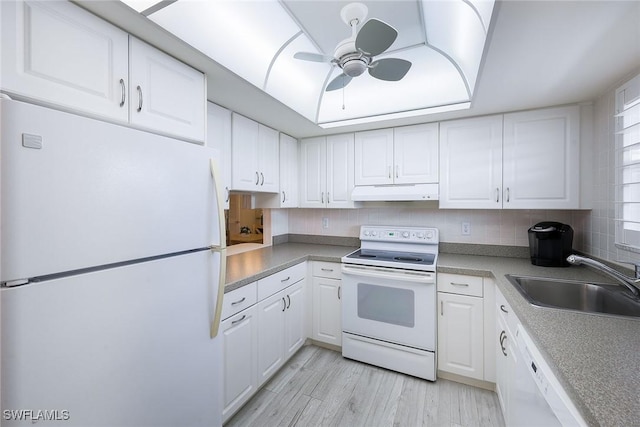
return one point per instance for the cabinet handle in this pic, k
(284, 196)
(503, 309)
(339, 292)
(228, 194)
(397, 168)
(459, 284)
(328, 197)
(497, 195)
(441, 308)
(330, 270)
(322, 198)
(503, 338)
(240, 301)
(244, 316)
(288, 301)
(124, 92)
(284, 280)
(507, 198)
(284, 304)
(140, 100)
(389, 172)
(262, 176)
(257, 178)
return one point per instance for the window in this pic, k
(627, 140)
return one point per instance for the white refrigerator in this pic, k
(112, 274)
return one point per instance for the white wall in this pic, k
(491, 227)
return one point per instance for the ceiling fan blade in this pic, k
(389, 69)
(375, 37)
(338, 83)
(315, 57)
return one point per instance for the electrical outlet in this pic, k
(466, 229)
(325, 222)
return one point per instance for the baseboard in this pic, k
(466, 380)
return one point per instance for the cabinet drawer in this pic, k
(460, 284)
(329, 270)
(239, 299)
(280, 280)
(504, 311)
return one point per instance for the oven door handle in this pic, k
(387, 273)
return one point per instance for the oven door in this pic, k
(398, 306)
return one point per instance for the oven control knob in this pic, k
(374, 233)
(429, 235)
(405, 234)
(366, 232)
(420, 235)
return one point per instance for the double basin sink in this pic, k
(576, 295)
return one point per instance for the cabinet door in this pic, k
(240, 360)
(245, 175)
(165, 94)
(294, 332)
(471, 163)
(271, 319)
(58, 53)
(327, 312)
(268, 160)
(313, 172)
(460, 335)
(219, 138)
(340, 152)
(374, 157)
(541, 165)
(415, 154)
(502, 362)
(288, 172)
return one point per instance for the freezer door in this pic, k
(129, 346)
(78, 192)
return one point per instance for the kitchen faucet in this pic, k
(633, 284)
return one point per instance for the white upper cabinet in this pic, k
(326, 174)
(531, 160)
(541, 159)
(415, 153)
(58, 53)
(255, 156)
(374, 157)
(165, 94)
(471, 163)
(219, 138)
(403, 155)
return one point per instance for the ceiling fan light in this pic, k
(354, 67)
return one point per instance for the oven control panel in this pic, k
(399, 234)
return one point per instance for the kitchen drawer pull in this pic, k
(459, 284)
(124, 92)
(284, 304)
(139, 89)
(240, 301)
(288, 301)
(286, 279)
(244, 316)
(503, 309)
(330, 270)
(257, 178)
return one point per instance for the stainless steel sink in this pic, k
(576, 295)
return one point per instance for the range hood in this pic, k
(395, 193)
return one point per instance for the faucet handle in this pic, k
(635, 264)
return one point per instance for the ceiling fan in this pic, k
(355, 54)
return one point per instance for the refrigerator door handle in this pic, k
(217, 314)
(217, 182)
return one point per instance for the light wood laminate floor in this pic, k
(318, 387)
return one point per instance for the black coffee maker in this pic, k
(550, 243)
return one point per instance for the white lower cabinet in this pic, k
(240, 359)
(327, 311)
(506, 323)
(465, 326)
(280, 329)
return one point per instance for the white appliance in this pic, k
(389, 299)
(536, 396)
(112, 273)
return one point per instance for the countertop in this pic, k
(595, 358)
